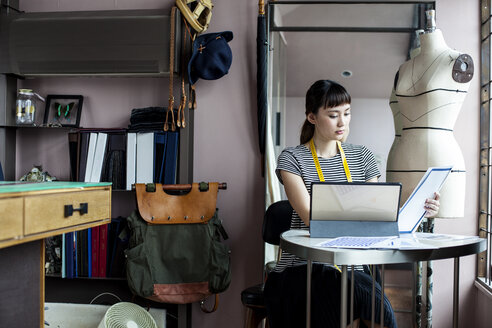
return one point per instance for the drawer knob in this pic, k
(83, 209)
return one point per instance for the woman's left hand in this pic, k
(432, 206)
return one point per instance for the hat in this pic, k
(211, 56)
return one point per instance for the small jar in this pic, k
(25, 107)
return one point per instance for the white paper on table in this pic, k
(412, 212)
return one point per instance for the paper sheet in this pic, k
(412, 212)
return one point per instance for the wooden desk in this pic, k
(30, 212)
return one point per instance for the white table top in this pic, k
(431, 247)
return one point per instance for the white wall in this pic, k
(371, 125)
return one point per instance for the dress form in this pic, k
(430, 89)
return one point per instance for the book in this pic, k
(171, 158)
(99, 153)
(95, 252)
(145, 158)
(131, 159)
(90, 156)
(89, 252)
(103, 249)
(69, 255)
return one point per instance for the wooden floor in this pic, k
(398, 289)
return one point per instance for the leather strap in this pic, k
(170, 107)
(216, 305)
(159, 207)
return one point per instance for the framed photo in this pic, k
(63, 110)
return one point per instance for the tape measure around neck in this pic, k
(318, 167)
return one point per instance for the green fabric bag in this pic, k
(177, 263)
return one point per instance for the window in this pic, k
(485, 214)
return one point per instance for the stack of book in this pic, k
(94, 252)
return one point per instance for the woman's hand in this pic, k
(431, 206)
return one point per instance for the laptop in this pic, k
(360, 209)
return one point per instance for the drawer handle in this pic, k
(83, 209)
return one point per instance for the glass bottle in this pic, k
(25, 107)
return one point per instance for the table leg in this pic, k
(373, 296)
(381, 319)
(343, 298)
(352, 298)
(456, 291)
(308, 293)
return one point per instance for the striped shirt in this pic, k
(299, 161)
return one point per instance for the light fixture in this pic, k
(346, 73)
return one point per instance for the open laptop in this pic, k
(354, 209)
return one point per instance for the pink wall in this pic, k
(226, 144)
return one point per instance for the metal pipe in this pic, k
(381, 321)
(352, 298)
(343, 298)
(308, 293)
(456, 291)
(373, 297)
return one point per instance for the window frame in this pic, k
(484, 260)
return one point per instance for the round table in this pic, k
(426, 247)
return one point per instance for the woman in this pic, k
(328, 116)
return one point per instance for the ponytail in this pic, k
(307, 132)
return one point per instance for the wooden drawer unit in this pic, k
(47, 212)
(11, 223)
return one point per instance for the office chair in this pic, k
(276, 221)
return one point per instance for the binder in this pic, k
(171, 158)
(90, 156)
(99, 153)
(145, 158)
(131, 159)
(160, 139)
(83, 149)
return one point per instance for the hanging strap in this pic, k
(170, 107)
(318, 167)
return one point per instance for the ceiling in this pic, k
(373, 57)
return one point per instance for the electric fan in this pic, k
(127, 315)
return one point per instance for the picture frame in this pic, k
(63, 110)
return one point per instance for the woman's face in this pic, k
(331, 123)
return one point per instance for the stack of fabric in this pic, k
(147, 119)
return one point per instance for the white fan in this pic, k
(127, 315)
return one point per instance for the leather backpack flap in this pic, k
(159, 207)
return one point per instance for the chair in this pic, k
(276, 221)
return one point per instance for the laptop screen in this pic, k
(355, 201)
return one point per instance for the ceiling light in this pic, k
(346, 73)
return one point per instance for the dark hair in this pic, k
(322, 94)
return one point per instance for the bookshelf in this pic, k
(13, 138)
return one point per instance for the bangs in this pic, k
(335, 96)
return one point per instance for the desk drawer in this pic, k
(11, 217)
(47, 212)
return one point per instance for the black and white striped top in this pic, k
(298, 160)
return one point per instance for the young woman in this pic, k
(328, 116)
